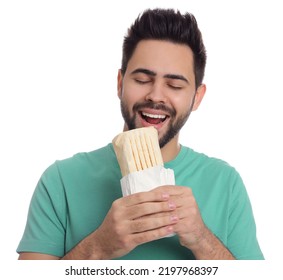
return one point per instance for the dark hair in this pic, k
(168, 25)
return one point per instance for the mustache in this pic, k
(156, 106)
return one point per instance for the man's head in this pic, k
(162, 71)
(167, 25)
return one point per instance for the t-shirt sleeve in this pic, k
(242, 240)
(45, 227)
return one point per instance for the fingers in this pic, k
(160, 200)
(158, 194)
(144, 237)
(155, 209)
(149, 208)
(173, 190)
(143, 197)
(149, 223)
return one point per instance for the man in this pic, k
(77, 210)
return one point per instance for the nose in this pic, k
(156, 94)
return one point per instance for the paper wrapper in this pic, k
(146, 180)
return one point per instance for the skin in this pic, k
(143, 217)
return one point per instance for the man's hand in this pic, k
(190, 227)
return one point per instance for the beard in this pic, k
(174, 126)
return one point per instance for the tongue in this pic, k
(153, 120)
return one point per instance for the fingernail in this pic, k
(174, 218)
(171, 205)
(170, 229)
(165, 195)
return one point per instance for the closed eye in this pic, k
(142, 82)
(175, 87)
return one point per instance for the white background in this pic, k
(58, 67)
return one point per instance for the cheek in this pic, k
(131, 95)
(182, 104)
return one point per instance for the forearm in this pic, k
(87, 249)
(211, 248)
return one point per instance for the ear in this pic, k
(199, 96)
(119, 83)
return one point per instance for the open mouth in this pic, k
(153, 119)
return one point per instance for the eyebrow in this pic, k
(153, 74)
(176, 77)
(144, 71)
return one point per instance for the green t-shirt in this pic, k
(74, 195)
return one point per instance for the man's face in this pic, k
(158, 88)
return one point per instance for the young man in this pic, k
(77, 210)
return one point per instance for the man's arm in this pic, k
(210, 247)
(36, 256)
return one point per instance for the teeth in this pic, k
(154, 116)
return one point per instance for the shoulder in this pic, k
(218, 171)
(208, 172)
(81, 164)
(205, 163)
(83, 159)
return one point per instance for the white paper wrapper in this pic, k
(147, 180)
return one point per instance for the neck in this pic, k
(171, 149)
